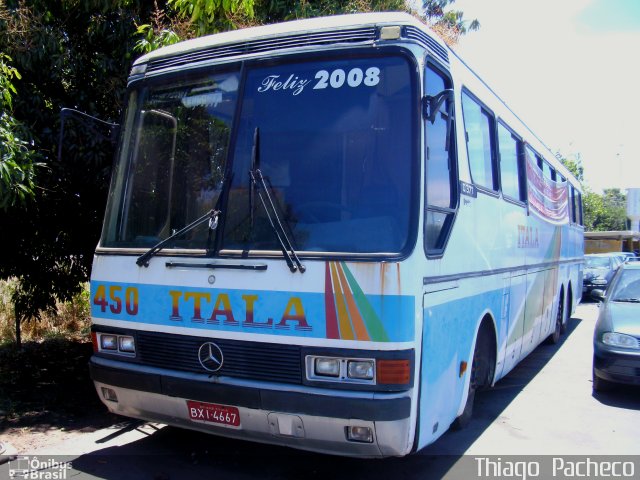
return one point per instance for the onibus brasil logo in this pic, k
(24, 467)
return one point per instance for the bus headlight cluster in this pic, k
(112, 343)
(356, 370)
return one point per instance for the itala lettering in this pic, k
(203, 307)
(528, 237)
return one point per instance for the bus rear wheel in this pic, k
(554, 338)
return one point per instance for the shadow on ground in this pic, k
(46, 385)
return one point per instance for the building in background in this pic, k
(618, 241)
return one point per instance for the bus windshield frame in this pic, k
(360, 117)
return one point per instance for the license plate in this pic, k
(213, 413)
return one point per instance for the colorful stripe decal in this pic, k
(346, 333)
(330, 306)
(357, 319)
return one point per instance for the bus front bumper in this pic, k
(295, 416)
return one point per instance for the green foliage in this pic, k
(449, 24)
(151, 40)
(69, 54)
(77, 54)
(17, 160)
(211, 16)
(604, 212)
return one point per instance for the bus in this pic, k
(326, 234)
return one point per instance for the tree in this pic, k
(604, 212)
(186, 19)
(573, 164)
(78, 53)
(69, 54)
(449, 24)
(17, 165)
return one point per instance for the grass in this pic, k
(47, 381)
(70, 320)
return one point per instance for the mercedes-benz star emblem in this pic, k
(210, 357)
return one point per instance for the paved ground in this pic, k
(543, 407)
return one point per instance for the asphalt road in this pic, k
(545, 406)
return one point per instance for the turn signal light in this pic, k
(393, 372)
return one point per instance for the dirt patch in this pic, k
(46, 395)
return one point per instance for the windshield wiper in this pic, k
(211, 216)
(627, 300)
(258, 182)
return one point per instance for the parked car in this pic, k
(598, 270)
(616, 340)
(629, 256)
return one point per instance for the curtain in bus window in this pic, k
(335, 147)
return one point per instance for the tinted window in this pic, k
(336, 149)
(509, 147)
(170, 171)
(440, 191)
(627, 286)
(478, 126)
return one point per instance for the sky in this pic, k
(571, 70)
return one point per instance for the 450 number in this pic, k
(114, 297)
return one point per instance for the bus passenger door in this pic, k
(534, 309)
(515, 325)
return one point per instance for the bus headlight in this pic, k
(108, 342)
(126, 344)
(116, 344)
(327, 367)
(360, 369)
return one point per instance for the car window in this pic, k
(627, 288)
(598, 262)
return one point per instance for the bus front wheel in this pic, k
(482, 369)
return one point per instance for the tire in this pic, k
(482, 368)
(465, 417)
(565, 323)
(554, 338)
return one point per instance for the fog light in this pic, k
(127, 344)
(327, 367)
(361, 369)
(108, 342)
(360, 434)
(109, 394)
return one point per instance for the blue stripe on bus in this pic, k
(300, 314)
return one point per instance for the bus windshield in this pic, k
(335, 146)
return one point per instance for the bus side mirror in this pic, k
(598, 294)
(105, 130)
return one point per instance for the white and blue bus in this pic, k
(326, 234)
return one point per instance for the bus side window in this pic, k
(441, 195)
(478, 124)
(579, 207)
(511, 168)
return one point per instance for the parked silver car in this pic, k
(616, 341)
(598, 271)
